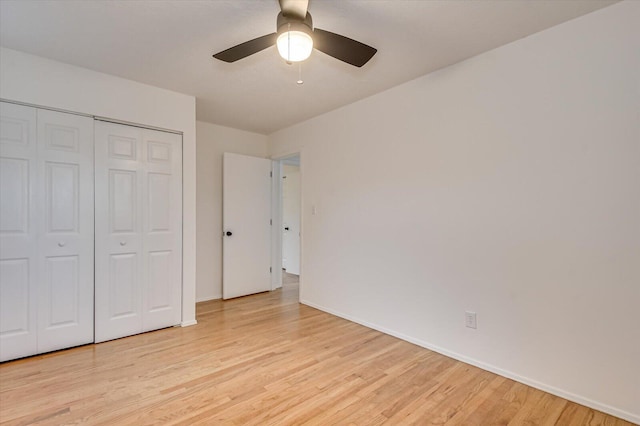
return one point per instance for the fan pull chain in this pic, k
(300, 81)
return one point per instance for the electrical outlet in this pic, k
(470, 320)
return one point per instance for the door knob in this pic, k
(122, 243)
(229, 233)
(61, 244)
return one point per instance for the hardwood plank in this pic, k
(266, 359)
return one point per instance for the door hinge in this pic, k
(270, 269)
(270, 221)
(270, 174)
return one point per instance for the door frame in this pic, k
(276, 214)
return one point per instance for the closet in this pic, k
(46, 230)
(77, 193)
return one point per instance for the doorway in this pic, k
(287, 235)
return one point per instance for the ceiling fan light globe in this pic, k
(294, 46)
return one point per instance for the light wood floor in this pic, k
(265, 359)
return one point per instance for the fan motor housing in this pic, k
(292, 23)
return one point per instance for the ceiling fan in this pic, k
(296, 38)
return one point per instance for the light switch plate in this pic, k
(470, 320)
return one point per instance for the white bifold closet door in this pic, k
(138, 230)
(46, 231)
(18, 236)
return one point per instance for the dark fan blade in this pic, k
(247, 48)
(343, 48)
(294, 8)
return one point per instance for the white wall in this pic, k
(39, 81)
(213, 141)
(509, 185)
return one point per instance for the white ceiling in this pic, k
(169, 43)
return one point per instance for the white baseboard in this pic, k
(188, 323)
(207, 298)
(631, 417)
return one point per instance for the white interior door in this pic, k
(118, 178)
(291, 219)
(18, 233)
(46, 231)
(246, 215)
(65, 230)
(138, 230)
(162, 228)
